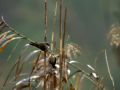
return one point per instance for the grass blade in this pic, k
(5, 33)
(6, 43)
(7, 37)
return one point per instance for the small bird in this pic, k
(52, 60)
(42, 46)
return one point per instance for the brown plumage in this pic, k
(52, 60)
(42, 46)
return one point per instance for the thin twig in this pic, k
(53, 27)
(109, 71)
(9, 57)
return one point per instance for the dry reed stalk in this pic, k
(63, 58)
(53, 27)
(60, 81)
(45, 41)
(45, 20)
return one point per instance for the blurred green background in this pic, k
(88, 22)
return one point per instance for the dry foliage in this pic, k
(53, 70)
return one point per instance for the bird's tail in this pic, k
(34, 44)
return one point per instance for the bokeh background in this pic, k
(88, 22)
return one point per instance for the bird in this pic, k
(42, 45)
(52, 60)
